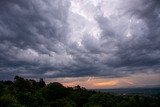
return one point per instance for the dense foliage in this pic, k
(30, 93)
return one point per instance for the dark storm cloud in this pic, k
(51, 38)
(144, 50)
(140, 52)
(29, 23)
(30, 30)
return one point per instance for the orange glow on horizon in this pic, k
(98, 82)
(70, 84)
(92, 83)
(107, 84)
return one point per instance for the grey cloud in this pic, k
(141, 49)
(144, 50)
(47, 39)
(32, 32)
(32, 23)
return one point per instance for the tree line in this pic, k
(30, 93)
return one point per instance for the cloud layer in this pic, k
(77, 38)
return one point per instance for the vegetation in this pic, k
(29, 93)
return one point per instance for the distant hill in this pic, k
(138, 91)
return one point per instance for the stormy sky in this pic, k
(81, 41)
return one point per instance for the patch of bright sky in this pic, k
(82, 20)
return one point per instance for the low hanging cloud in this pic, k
(77, 38)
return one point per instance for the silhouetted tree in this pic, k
(41, 83)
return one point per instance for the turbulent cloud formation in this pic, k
(78, 38)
